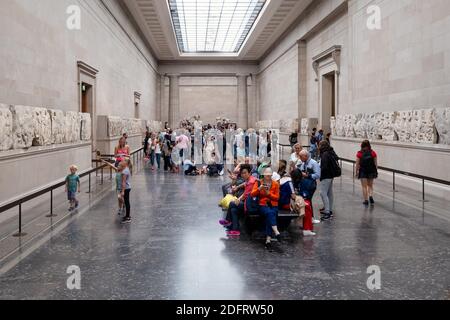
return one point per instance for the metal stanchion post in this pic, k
(20, 233)
(423, 191)
(89, 183)
(393, 181)
(51, 206)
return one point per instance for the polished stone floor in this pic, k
(175, 249)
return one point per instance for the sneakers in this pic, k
(126, 220)
(366, 203)
(326, 217)
(307, 233)
(233, 233)
(224, 222)
(268, 245)
(77, 203)
(371, 200)
(278, 237)
(315, 221)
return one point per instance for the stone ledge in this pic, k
(406, 145)
(22, 153)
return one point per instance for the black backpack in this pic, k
(213, 170)
(335, 167)
(367, 162)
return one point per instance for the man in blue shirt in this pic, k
(310, 170)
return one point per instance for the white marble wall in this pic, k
(423, 126)
(39, 57)
(22, 127)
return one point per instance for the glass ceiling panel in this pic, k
(208, 26)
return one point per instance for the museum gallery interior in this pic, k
(147, 147)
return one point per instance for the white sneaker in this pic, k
(315, 221)
(308, 233)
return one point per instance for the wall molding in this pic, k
(33, 151)
(431, 147)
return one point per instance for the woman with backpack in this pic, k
(329, 169)
(367, 170)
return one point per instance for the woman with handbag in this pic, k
(268, 192)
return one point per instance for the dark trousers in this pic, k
(270, 215)
(235, 212)
(126, 200)
(167, 164)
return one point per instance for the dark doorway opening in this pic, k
(328, 100)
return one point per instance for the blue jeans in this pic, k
(158, 159)
(271, 218)
(236, 211)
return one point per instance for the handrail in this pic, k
(18, 202)
(405, 173)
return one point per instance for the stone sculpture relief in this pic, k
(442, 121)
(423, 129)
(42, 127)
(6, 128)
(118, 126)
(73, 125)
(86, 125)
(114, 126)
(58, 119)
(154, 126)
(417, 126)
(307, 124)
(333, 126)
(385, 126)
(22, 127)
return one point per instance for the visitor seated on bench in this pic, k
(237, 184)
(238, 207)
(268, 192)
(287, 191)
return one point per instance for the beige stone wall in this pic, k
(278, 83)
(38, 57)
(336, 33)
(209, 97)
(406, 64)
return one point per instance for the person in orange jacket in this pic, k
(268, 192)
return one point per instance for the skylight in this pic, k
(209, 26)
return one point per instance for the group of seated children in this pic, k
(260, 191)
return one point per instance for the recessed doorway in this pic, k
(328, 100)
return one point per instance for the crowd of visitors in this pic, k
(264, 192)
(254, 187)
